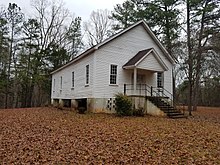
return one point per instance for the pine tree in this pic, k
(14, 18)
(3, 56)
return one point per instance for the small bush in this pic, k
(123, 105)
(139, 112)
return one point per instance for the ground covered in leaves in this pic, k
(51, 136)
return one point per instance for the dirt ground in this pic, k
(51, 136)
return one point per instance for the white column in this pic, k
(135, 79)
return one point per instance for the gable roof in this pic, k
(96, 47)
(137, 57)
(141, 56)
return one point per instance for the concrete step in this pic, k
(171, 111)
(174, 114)
(166, 108)
(178, 116)
(156, 97)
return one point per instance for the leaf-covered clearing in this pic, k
(51, 136)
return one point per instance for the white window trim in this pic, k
(110, 75)
(54, 84)
(162, 79)
(61, 82)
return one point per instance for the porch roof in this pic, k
(147, 59)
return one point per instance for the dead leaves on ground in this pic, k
(50, 136)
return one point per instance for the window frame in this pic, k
(160, 81)
(113, 75)
(73, 80)
(61, 82)
(87, 75)
(54, 84)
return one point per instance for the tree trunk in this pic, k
(195, 98)
(30, 95)
(9, 67)
(199, 59)
(190, 60)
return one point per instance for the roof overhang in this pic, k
(135, 64)
(92, 49)
(87, 52)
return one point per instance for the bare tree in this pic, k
(98, 28)
(52, 18)
(51, 15)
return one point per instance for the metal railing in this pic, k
(162, 92)
(141, 89)
(146, 90)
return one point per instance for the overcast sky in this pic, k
(81, 8)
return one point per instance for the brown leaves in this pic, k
(50, 136)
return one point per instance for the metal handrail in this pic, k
(149, 89)
(162, 94)
(153, 91)
(168, 92)
(139, 87)
(181, 107)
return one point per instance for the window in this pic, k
(61, 82)
(72, 79)
(159, 80)
(87, 74)
(113, 74)
(54, 83)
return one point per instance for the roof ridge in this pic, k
(95, 47)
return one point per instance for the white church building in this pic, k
(132, 62)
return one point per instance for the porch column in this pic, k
(135, 79)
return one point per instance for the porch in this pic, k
(146, 90)
(145, 72)
(155, 100)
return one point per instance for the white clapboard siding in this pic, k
(168, 82)
(118, 52)
(80, 90)
(150, 63)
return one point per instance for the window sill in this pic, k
(86, 85)
(116, 85)
(72, 88)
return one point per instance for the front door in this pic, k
(141, 79)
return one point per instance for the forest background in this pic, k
(31, 47)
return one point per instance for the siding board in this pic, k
(150, 63)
